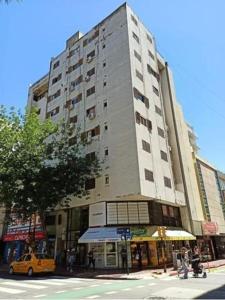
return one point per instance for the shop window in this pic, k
(111, 254)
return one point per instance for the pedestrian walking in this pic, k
(91, 259)
(123, 254)
(184, 262)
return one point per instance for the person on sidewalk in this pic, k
(91, 259)
(138, 257)
(123, 254)
(184, 262)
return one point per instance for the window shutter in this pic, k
(149, 125)
(138, 117)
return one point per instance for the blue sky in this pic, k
(189, 35)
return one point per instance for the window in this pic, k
(106, 151)
(167, 182)
(161, 132)
(53, 112)
(90, 184)
(163, 155)
(146, 146)
(158, 110)
(73, 119)
(56, 64)
(105, 126)
(139, 96)
(59, 219)
(155, 90)
(153, 72)
(105, 104)
(143, 121)
(57, 78)
(106, 179)
(103, 46)
(149, 175)
(76, 99)
(27, 257)
(90, 91)
(136, 37)
(52, 97)
(139, 75)
(74, 67)
(91, 156)
(76, 82)
(104, 64)
(91, 72)
(138, 56)
(104, 83)
(151, 54)
(134, 20)
(90, 112)
(50, 220)
(91, 55)
(149, 38)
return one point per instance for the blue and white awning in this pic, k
(100, 234)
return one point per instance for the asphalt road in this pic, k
(56, 287)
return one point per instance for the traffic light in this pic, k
(162, 231)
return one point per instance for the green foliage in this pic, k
(38, 167)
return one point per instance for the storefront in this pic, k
(18, 236)
(146, 238)
(107, 245)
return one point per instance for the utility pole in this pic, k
(162, 236)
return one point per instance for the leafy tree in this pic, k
(39, 169)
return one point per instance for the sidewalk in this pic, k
(118, 274)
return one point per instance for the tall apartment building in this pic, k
(113, 85)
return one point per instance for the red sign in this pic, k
(20, 230)
(210, 228)
(22, 236)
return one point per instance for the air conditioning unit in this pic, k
(89, 138)
(91, 115)
(87, 78)
(89, 59)
(71, 106)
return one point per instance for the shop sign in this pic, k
(20, 230)
(97, 215)
(139, 231)
(210, 228)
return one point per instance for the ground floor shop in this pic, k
(144, 247)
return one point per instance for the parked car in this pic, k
(33, 263)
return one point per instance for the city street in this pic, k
(58, 287)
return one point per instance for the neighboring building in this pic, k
(113, 85)
(213, 226)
